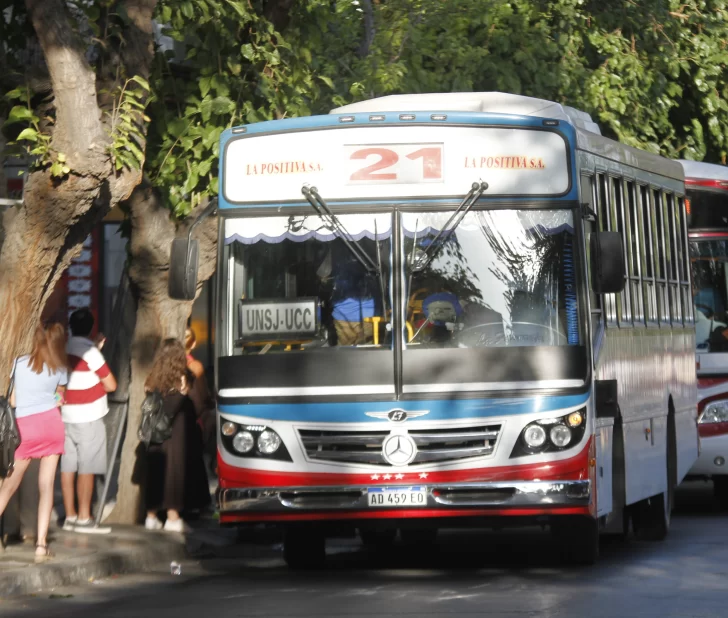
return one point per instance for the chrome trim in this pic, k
(430, 445)
(293, 391)
(489, 386)
(517, 494)
(435, 436)
(373, 439)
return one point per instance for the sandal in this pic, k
(42, 557)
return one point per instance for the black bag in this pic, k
(9, 434)
(155, 426)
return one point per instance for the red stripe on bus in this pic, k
(705, 182)
(574, 468)
(230, 518)
(707, 430)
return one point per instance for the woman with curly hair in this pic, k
(39, 381)
(176, 479)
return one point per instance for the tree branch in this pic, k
(79, 133)
(369, 30)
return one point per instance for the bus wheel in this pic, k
(376, 538)
(720, 491)
(651, 517)
(304, 549)
(577, 539)
(418, 537)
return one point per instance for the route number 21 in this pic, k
(394, 164)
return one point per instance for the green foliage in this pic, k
(127, 123)
(31, 139)
(235, 69)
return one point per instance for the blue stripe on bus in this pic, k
(362, 119)
(439, 409)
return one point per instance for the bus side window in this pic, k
(605, 222)
(683, 261)
(589, 197)
(634, 271)
(624, 298)
(672, 259)
(647, 255)
(661, 275)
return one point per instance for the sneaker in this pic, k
(152, 523)
(178, 525)
(69, 523)
(89, 527)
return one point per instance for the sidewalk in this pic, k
(84, 557)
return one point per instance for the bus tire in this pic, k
(377, 538)
(720, 491)
(418, 537)
(577, 539)
(304, 549)
(651, 517)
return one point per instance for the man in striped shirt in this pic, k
(83, 411)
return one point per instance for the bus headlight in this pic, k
(553, 434)
(560, 435)
(268, 442)
(252, 441)
(715, 412)
(534, 436)
(243, 442)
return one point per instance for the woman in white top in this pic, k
(40, 379)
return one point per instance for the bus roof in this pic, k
(588, 134)
(488, 102)
(707, 171)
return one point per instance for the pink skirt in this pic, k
(41, 435)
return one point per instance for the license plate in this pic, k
(397, 496)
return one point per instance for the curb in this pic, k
(142, 557)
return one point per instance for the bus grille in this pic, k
(433, 445)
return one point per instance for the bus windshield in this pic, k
(502, 278)
(710, 294)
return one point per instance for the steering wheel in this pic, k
(493, 335)
(705, 310)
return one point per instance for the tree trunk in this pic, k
(158, 318)
(42, 237)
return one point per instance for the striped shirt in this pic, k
(85, 395)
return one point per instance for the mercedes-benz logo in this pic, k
(399, 450)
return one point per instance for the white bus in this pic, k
(449, 309)
(707, 193)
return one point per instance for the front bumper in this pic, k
(526, 494)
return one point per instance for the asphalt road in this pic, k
(480, 573)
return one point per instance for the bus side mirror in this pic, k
(607, 262)
(183, 262)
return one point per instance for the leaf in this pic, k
(20, 113)
(247, 51)
(28, 134)
(222, 105)
(327, 80)
(188, 10)
(141, 81)
(205, 85)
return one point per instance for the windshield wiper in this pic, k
(421, 262)
(314, 198)
(322, 208)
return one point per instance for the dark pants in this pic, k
(21, 516)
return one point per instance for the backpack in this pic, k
(155, 426)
